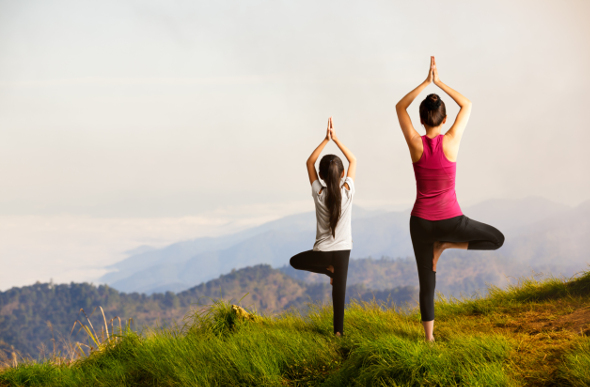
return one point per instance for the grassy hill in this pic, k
(533, 334)
(33, 318)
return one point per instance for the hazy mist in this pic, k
(166, 110)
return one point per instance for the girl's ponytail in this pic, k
(331, 169)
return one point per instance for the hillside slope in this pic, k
(25, 313)
(534, 334)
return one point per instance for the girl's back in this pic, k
(324, 240)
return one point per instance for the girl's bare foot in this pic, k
(338, 334)
(331, 270)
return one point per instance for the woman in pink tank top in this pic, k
(437, 222)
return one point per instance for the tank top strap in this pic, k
(439, 143)
(426, 147)
(431, 146)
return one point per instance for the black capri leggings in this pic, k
(317, 262)
(458, 229)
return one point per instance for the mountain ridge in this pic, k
(375, 234)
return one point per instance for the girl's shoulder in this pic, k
(316, 187)
(349, 185)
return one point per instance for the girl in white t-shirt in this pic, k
(333, 206)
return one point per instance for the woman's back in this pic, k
(435, 183)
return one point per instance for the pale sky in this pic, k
(145, 111)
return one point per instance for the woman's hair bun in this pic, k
(433, 102)
(432, 110)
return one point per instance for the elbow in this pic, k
(467, 104)
(399, 107)
(309, 162)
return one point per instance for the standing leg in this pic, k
(426, 278)
(340, 262)
(314, 261)
(421, 233)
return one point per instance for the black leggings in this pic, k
(458, 229)
(317, 262)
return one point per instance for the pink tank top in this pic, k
(435, 183)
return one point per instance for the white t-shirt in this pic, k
(324, 241)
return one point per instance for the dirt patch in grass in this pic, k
(577, 322)
(541, 332)
(534, 322)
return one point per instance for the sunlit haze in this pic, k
(129, 123)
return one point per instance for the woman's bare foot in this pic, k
(338, 334)
(331, 270)
(428, 330)
(439, 247)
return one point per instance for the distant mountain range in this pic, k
(540, 235)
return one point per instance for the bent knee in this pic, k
(294, 262)
(500, 240)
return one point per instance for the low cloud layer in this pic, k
(125, 123)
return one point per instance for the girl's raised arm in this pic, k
(347, 153)
(311, 172)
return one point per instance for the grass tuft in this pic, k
(575, 369)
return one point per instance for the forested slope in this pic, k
(31, 316)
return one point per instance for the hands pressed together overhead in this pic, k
(330, 135)
(330, 131)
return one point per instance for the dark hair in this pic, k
(330, 171)
(432, 110)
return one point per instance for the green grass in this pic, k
(529, 334)
(575, 369)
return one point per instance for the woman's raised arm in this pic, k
(456, 132)
(410, 133)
